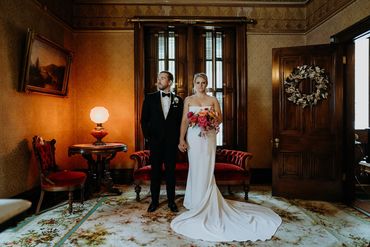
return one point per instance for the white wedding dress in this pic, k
(210, 217)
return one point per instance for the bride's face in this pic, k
(200, 85)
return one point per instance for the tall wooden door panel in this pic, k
(307, 142)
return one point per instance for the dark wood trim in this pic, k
(122, 176)
(230, 94)
(345, 40)
(190, 63)
(139, 83)
(261, 176)
(183, 66)
(241, 133)
(357, 30)
(190, 20)
(349, 116)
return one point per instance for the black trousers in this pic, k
(162, 153)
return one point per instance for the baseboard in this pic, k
(261, 176)
(122, 176)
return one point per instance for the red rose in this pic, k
(202, 121)
(193, 118)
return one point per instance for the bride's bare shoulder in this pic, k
(189, 98)
(213, 100)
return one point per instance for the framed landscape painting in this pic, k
(46, 66)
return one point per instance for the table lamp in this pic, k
(99, 115)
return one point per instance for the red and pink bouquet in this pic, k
(206, 119)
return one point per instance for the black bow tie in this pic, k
(166, 94)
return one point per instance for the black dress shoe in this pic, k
(173, 207)
(152, 207)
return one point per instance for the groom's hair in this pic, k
(169, 74)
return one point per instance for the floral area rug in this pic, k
(122, 221)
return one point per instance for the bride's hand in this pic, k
(183, 146)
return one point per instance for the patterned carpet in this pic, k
(121, 221)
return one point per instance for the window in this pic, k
(213, 63)
(185, 49)
(214, 68)
(362, 83)
(166, 53)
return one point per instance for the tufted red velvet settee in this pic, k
(231, 169)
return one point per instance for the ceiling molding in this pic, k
(191, 20)
(271, 16)
(195, 2)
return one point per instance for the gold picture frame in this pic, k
(46, 66)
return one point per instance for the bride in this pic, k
(210, 217)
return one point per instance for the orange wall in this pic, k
(105, 77)
(102, 73)
(23, 115)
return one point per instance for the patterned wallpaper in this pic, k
(276, 16)
(318, 11)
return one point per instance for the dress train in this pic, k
(210, 217)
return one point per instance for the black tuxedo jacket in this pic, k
(155, 127)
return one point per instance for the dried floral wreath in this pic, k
(321, 85)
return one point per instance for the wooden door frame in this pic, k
(345, 40)
(139, 83)
(241, 81)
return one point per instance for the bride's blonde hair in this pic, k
(202, 75)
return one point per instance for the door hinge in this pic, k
(344, 60)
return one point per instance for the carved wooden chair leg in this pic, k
(70, 201)
(40, 201)
(82, 195)
(246, 191)
(229, 190)
(137, 190)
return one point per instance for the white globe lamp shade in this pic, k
(99, 114)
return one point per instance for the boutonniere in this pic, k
(175, 101)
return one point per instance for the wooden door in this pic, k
(307, 142)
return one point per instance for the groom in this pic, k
(160, 121)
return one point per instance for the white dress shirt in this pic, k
(166, 103)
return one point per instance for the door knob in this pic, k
(276, 142)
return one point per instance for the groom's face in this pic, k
(163, 83)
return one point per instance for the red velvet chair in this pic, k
(51, 178)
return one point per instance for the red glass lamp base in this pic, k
(99, 133)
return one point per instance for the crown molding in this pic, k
(271, 16)
(196, 2)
